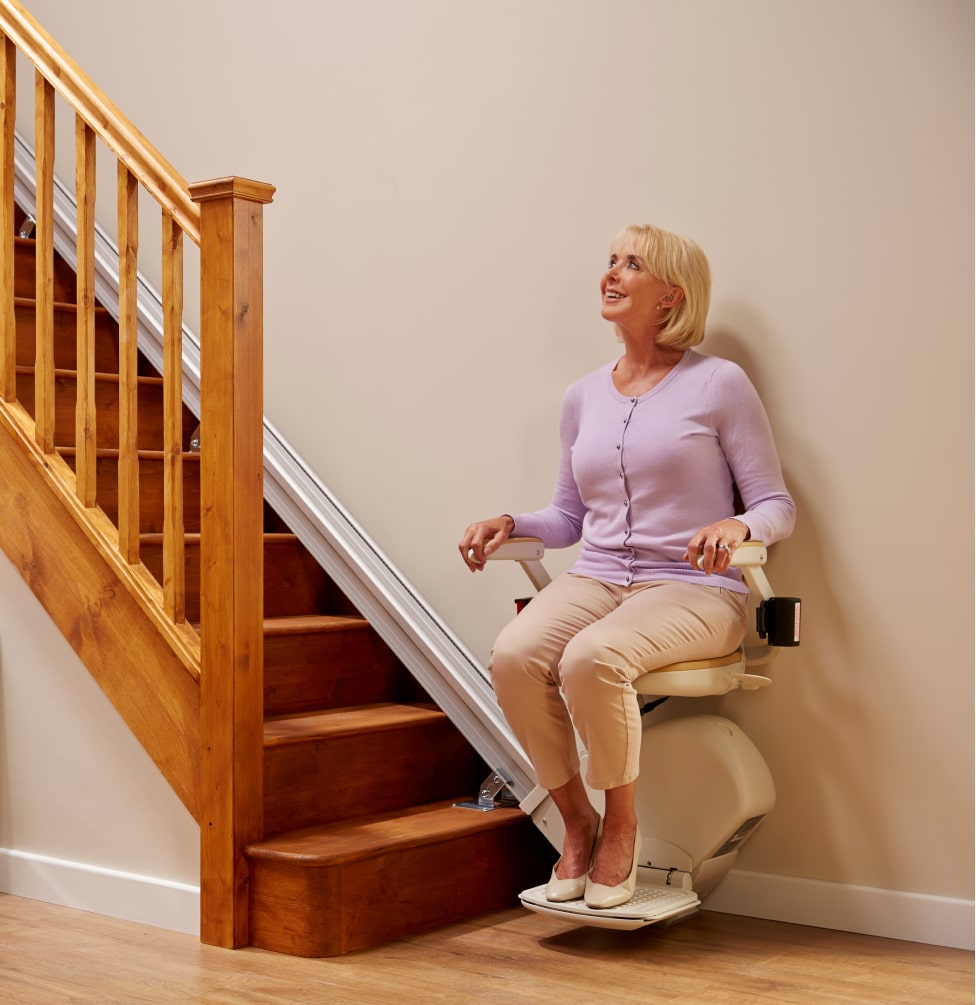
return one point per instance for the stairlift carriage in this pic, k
(704, 787)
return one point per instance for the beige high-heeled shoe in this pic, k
(598, 896)
(560, 890)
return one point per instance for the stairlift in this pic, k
(704, 787)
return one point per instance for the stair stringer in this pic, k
(107, 610)
(429, 650)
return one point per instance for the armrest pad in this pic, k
(749, 553)
(519, 549)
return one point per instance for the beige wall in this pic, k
(449, 176)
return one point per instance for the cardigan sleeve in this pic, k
(560, 524)
(750, 450)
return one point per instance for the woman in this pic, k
(653, 448)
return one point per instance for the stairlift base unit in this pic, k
(704, 790)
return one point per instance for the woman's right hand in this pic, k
(481, 539)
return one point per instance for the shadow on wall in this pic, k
(815, 724)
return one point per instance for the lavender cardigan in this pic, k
(639, 477)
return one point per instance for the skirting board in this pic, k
(892, 914)
(157, 902)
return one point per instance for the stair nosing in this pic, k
(274, 847)
(352, 720)
(30, 303)
(306, 624)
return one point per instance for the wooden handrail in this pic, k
(155, 173)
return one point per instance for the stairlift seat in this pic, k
(698, 678)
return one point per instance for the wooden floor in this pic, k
(56, 955)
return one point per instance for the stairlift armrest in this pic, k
(519, 549)
(528, 552)
(749, 558)
(749, 555)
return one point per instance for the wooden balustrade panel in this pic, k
(44, 263)
(174, 574)
(128, 215)
(8, 321)
(85, 409)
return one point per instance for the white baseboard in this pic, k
(143, 899)
(892, 914)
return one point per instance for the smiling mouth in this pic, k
(613, 295)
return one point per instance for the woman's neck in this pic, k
(643, 365)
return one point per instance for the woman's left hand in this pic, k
(715, 544)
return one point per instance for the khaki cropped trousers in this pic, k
(587, 641)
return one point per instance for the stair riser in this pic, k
(66, 340)
(318, 781)
(294, 583)
(321, 670)
(150, 491)
(149, 419)
(25, 281)
(337, 909)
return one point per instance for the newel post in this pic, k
(232, 559)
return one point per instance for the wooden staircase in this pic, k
(362, 844)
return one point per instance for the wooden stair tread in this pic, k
(310, 624)
(59, 305)
(301, 727)
(347, 841)
(102, 375)
(186, 455)
(273, 537)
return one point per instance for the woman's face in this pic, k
(633, 298)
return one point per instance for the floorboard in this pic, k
(55, 955)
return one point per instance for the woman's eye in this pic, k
(633, 264)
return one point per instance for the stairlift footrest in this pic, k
(651, 904)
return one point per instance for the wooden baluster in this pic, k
(128, 197)
(174, 571)
(8, 317)
(232, 559)
(44, 243)
(85, 465)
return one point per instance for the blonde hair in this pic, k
(677, 261)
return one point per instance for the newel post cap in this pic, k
(233, 188)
